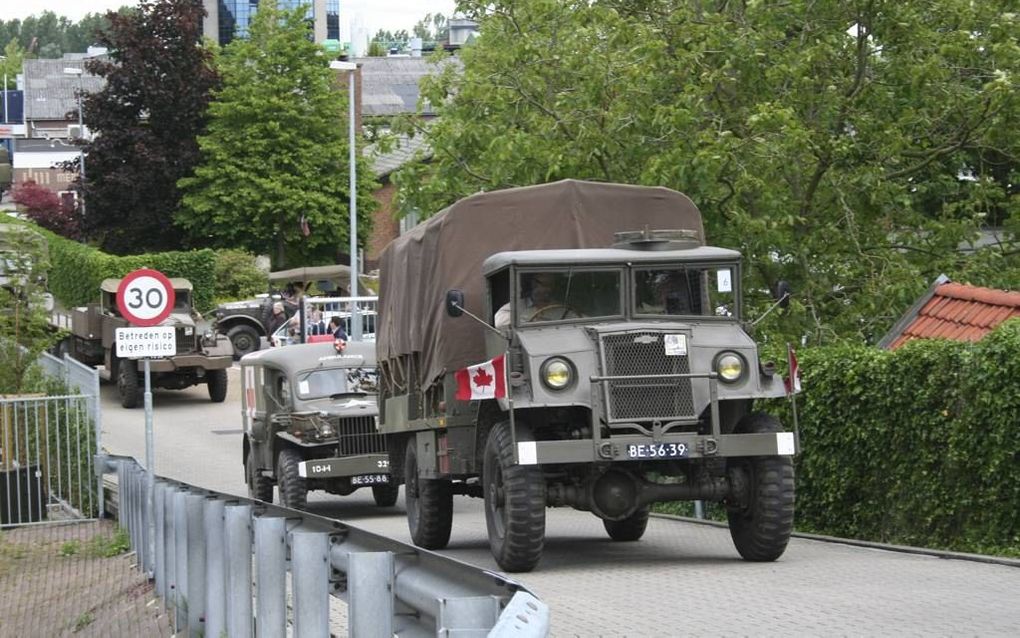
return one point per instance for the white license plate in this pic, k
(657, 451)
(370, 479)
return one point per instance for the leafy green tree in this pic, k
(146, 121)
(50, 36)
(376, 49)
(274, 173)
(846, 147)
(10, 66)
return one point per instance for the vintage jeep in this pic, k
(200, 358)
(310, 423)
(617, 371)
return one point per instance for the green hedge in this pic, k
(76, 270)
(920, 446)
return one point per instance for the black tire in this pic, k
(628, 529)
(429, 504)
(259, 487)
(762, 520)
(245, 340)
(127, 383)
(62, 348)
(385, 495)
(217, 382)
(293, 489)
(514, 502)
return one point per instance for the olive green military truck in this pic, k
(310, 415)
(201, 358)
(617, 369)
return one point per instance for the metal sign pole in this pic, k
(150, 464)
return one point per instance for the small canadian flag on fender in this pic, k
(483, 381)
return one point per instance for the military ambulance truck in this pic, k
(576, 344)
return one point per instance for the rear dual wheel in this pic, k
(429, 503)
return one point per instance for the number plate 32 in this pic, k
(658, 451)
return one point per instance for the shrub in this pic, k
(237, 276)
(47, 209)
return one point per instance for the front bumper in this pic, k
(342, 467)
(619, 448)
(173, 364)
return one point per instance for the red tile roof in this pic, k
(961, 313)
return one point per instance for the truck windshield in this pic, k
(565, 295)
(328, 382)
(703, 291)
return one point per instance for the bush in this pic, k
(46, 209)
(237, 276)
(918, 446)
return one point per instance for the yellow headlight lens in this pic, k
(729, 366)
(557, 373)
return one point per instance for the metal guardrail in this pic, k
(206, 546)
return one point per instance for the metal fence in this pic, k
(221, 565)
(47, 445)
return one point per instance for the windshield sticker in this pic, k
(302, 387)
(725, 280)
(675, 345)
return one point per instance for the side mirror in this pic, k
(454, 303)
(783, 292)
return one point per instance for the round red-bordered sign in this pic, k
(145, 297)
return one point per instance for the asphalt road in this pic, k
(680, 579)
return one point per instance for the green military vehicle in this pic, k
(310, 423)
(200, 358)
(617, 369)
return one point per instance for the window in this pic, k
(704, 291)
(565, 295)
(327, 382)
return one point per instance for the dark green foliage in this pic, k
(77, 270)
(917, 446)
(237, 276)
(146, 118)
(51, 35)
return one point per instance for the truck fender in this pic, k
(224, 324)
(426, 447)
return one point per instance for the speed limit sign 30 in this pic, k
(145, 297)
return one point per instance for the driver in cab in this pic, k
(538, 302)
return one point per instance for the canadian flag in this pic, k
(793, 382)
(483, 381)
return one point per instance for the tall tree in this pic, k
(274, 175)
(847, 147)
(146, 120)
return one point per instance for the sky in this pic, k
(374, 14)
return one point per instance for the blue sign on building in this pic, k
(12, 107)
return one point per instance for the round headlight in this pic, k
(557, 373)
(730, 366)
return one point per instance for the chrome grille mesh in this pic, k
(644, 353)
(358, 435)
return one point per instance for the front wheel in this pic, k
(385, 495)
(127, 383)
(761, 515)
(244, 339)
(429, 504)
(217, 382)
(514, 502)
(293, 489)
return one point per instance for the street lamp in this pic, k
(81, 131)
(351, 67)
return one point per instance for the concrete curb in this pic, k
(904, 549)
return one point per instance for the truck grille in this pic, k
(185, 343)
(358, 435)
(643, 353)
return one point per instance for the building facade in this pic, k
(229, 19)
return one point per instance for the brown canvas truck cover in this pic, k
(446, 252)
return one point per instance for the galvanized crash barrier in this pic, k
(220, 564)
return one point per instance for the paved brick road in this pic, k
(681, 579)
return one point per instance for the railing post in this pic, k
(271, 572)
(180, 600)
(196, 564)
(238, 541)
(215, 574)
(309, 578)
(169, 549)
(370, 595)
(159, 505)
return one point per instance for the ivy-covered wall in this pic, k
(76, 270)
(920, 446)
